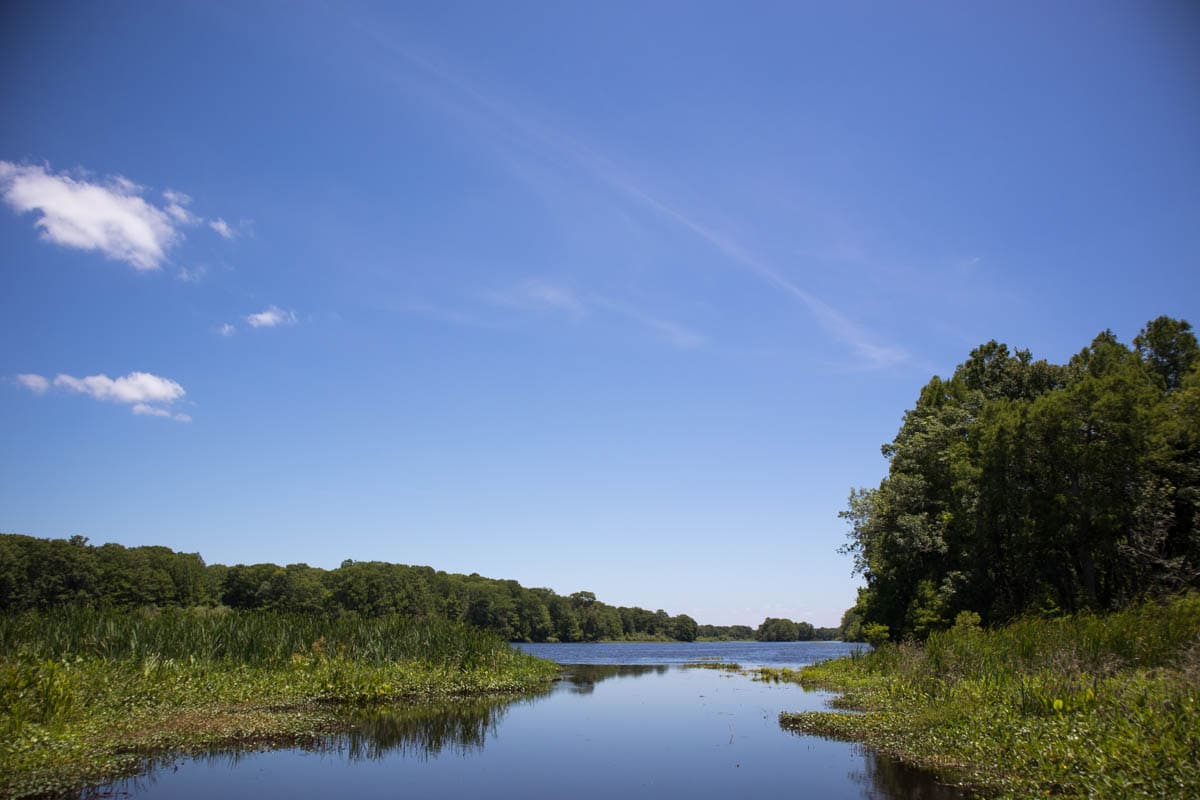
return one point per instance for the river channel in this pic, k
(625, 721)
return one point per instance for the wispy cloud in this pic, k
(679, 335)
(34, 383)
(226, 329)
(110, 216)
(142, 409)
(540, 295)
(177, 203)
(193, 275)
(434, 311)
(222, 227)
(490, 114)
(149, 395)
(271, 317)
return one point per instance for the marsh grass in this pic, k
(86, 695)
(1084, 706)
(714, 664)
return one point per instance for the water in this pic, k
(748, 654)
(646, 728)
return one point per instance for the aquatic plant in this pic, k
(1084, 706)
(87, 695)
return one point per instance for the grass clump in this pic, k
(1083, 706)
(713, 663)
(87, 696)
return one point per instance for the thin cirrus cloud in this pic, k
(679, 335)
(490, 114)
(535, 295)
(193, 275)
(270, 317)
(149, 395)
(110, 216)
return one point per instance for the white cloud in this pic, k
(34, 383)
(177, 203)
(271, 317)
(148, 394)
(136, 387)
(141, 409)
(226, 330)
(111, 217)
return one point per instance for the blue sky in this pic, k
(620, 297)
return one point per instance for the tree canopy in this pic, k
(44, 573)
(1019, 486)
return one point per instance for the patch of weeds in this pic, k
(1097, 707)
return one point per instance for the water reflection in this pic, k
(582, 678)
(415, 730)
(884, 777)
(640, 731)
(423, 730)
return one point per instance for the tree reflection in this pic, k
(582, 678)
(423, 730)
(882, 777)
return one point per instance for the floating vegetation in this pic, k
(713, 663)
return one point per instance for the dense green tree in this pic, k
(851, 627)
(41, 573)
(775, 629)
(684, 628)
(1019, 486)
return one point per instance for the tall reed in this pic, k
(252, 638)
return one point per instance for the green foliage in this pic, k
(1019, 486)
(51, 573)
(84, 693)
(775, 629)
(851, 627)
(684, 628)
(875, 634)
(967, 620)
(726, 633)
(1079, 706)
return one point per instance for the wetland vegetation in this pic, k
(1079, 706)
(87, 695)
(1031, 562)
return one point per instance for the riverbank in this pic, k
(1085, 706)
(87, 696)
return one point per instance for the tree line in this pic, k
(1021, 487)
(45, 573)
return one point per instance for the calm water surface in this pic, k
(628, 721)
